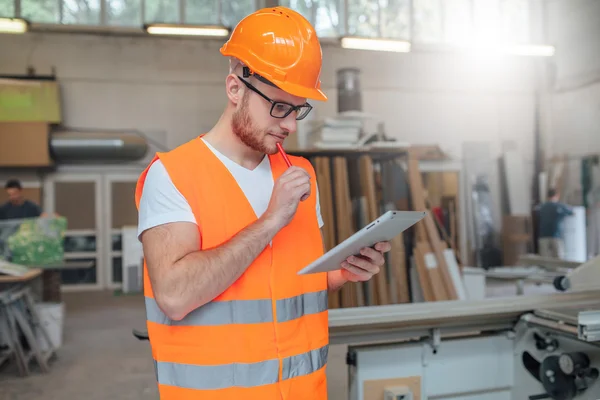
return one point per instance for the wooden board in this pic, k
(343, 219)
(24, 144)
(416, 189)
(375, 389)
(423, 274)
(398, 271)
(434, 274)
(323, 171)
(378, 285)
(33, 273)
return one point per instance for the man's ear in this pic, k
(234, 89)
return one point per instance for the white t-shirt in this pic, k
(162, 202)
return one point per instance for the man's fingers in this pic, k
(360, 273)
(383, 247)
(373, 254)
(363, 264)
(303, 191)
(294, 171)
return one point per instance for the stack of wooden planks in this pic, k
(354, 189)
(437, 268)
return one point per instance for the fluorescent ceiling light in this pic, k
(13, 25)
(187, 30)
(375, 44)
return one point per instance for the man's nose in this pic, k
(289, 123)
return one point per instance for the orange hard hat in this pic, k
(281, 46)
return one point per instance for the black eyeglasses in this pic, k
(280, 109)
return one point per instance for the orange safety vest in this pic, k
(266, 336)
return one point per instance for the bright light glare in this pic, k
(531, 50)
(515, 50)
(375, 44)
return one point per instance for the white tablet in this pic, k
(383, 229)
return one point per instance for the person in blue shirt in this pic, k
(551, 215)
(17, 207)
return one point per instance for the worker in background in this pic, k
(17, 206)
(226, 225)
(550, 216)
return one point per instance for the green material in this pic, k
(33, 241)
(29, 101)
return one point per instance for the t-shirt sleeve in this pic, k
(161, 202)
(319, 216)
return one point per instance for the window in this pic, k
(124, 12)
(457, 21)
(161, 11)
(427, 21)
(329, 18)
(233, 11)
(363, 18)
(7, 8)
(82, 12)
(395, 19)
(202, 12)
(41, 10)
(515, 20)
(325, 15)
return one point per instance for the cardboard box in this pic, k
(24, 100)
(25, 144)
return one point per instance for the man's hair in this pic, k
(13, 184)
(551, 193)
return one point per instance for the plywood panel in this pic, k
(77, 202)
(427, 228)
(377, 286)
(24, 144)
(124, 212)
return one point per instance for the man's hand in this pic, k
(362, 267)
(289, 189)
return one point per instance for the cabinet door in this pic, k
(121, 212)
(78, 198)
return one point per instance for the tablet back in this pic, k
(383, 229)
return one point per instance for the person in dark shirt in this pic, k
(551, 215)
(17, 207)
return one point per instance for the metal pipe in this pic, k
(97, 146)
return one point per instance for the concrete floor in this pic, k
(100, 359)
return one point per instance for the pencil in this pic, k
(285, 157)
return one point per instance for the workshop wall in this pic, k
(177, 86)
(573, 128)
(574, 28)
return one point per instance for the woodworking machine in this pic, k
(511, 348)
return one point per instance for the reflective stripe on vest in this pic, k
(202, 377)
(243, 311)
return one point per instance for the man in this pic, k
(17, 207)
(225, 226)
(551, 215)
